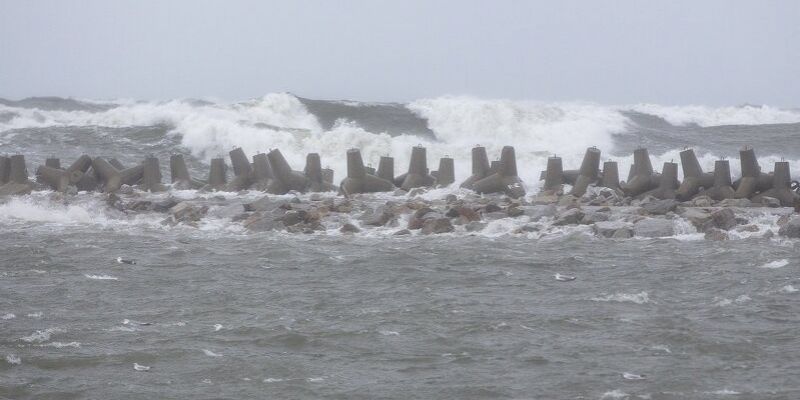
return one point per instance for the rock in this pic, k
(591, 217)
(402, 232)
(475, 226)
(735, 203)
(349, 228)
(164, 205)
(568, 201)
(769, 234)
(437, 225)
(491, 207)
(659, 207)
(609, 228)
(716, 234)
(187, 213)
(569, 217)
(545, 199)
(260, 222)
(747, 228)
(262, 204)
(784, 219)
(699, 218)
(622, 233)
(702, 201)
(514, 212)
(417, 191)
(450, 199)
(770, 202)
(723, 219)
(654, 227)
(495, 215)
(791, 229)
(400, 192)
(15, 189)
(380, 217)
(467, 213)
(540, 211)
(292, 217)
(527, 228)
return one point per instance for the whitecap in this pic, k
(101, 277)
(217, 327)
(37, 314)
(725, 392)
(13, 359)
(60, 345)
(41, 336)
(614, 394)
(271, 380)
(8, 316)
(638, 298)
(389, 333)
(211, 353)
(789, 289)
(775, 264)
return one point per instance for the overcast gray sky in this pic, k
(671, 52)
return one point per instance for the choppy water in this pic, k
(251, 315)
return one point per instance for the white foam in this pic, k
(775, 264)
(725, 392)
(60, 345)
(638, 298)
(101, 277)
(37, 314)
(217, 327)
(13, 359)
(211, 353)
(41, 336)
(716, 116)
(8, 316)
(389, 333)
(614, 394)
(789, 289)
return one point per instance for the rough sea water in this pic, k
(216, 311)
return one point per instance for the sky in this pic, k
(714, 52)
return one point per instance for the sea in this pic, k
(215, 311)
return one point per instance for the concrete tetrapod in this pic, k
(554, 174)
(358, 180)
(218, 174)
(151, 175)
(588, 173)
(417, 175)
(446, 173)
(668, 182)
(781, 186)
(116, 163)
(57, 179)
(285, 179)
(17, 177)
(53, 162)
(79, 169)
(262, 172)
(505, 180)
(610, 177)
(5, 169)
(179, 174)
(642, 178)
(113, 178)
(313, 172)
(752, 180)
(722, 188)
(693, 176)
(242, 170)
(327, 175)
(386, 168)
(480, 167)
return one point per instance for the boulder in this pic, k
(654, 227)
(540, 211)
(659, 207)
(716, 234)
(723, 219)
(261, 222)
(770, 202)
(623, 233)
(402, 232)
(791, 228)
(349, 228)
(698, 217)
(475, 226)
(569, 217)
(591, 217)
(437, 225)
(735, 203)
(609, 228)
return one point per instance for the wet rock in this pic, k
(467, 213)
(734, 203)
(769, 234)
(262, 204)
(349, 228)
(514, 212)
(164, 205)
(591, 217)
(609, 228)
(187, 213)
(569, 217)
(402, 232)
(659, 207)
(450, 199)
(791, 228)
(622, 233)
(716, 234)
(702, 201)
(495, 215)
(527, 228)
(400, 192)
(723, 219)
(698, 217)
(569, 201)
(380, 217)
(770, 202)
(417, 191)
(545, 199)
(475, 226)
(15, 189)
(538, 212)
(491, 207)
(748, 228)
(653, 227)
(261, 222)
(436, 226)
(783, 220)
